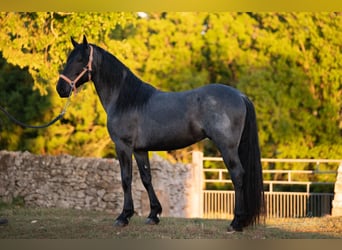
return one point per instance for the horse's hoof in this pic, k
(151, 221)
(120, 223)
(231, 229)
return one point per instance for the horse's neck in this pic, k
(105, 96)
(117, 86)
(105, 78)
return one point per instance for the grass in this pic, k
(34, 223)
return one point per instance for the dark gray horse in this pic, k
(141, 118)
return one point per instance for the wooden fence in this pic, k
(220, 203)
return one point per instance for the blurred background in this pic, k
(289, 64)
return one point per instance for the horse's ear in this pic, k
(85, 42)
(74, 43)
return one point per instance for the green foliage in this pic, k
(39, 44)
(297, 95)
(18, 98)
(289, 64)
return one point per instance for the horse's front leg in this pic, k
(145, 173)
(124, 154)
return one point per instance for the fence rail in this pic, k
(221, 173)
(317, 161)
(220, 204)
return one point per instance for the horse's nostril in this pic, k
(62, 90)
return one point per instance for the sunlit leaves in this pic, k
(289, 64)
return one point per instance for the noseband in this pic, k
(86, 69)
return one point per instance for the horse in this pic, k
(141, 118)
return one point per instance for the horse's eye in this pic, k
(79, 58)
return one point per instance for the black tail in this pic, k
(249, 153)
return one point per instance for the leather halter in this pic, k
(86, 69)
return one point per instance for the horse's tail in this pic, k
(249, 154)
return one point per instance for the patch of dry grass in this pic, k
(28, 223)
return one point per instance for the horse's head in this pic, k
(78, 68)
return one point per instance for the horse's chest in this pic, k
(123, 127)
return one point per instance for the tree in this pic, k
(300, 91)
(40, 43)
(18, 97)
(289, 64)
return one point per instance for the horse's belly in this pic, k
(170, 137)
(170, 144)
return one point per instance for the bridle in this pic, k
(86, 69)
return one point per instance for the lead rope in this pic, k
(40, 126)
(72, 84)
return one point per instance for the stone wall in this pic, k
(91, 183)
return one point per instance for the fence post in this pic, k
(197, 177)
(337, 202)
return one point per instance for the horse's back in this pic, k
(221, 91)
(211, 98)
(220, 99)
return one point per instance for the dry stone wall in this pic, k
(91, 183)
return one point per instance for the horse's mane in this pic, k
(132, 91)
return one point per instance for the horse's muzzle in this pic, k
(63, 88)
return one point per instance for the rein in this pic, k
(72, 83)
(39, 126)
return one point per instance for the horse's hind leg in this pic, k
(232, 162)
(143, 162)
